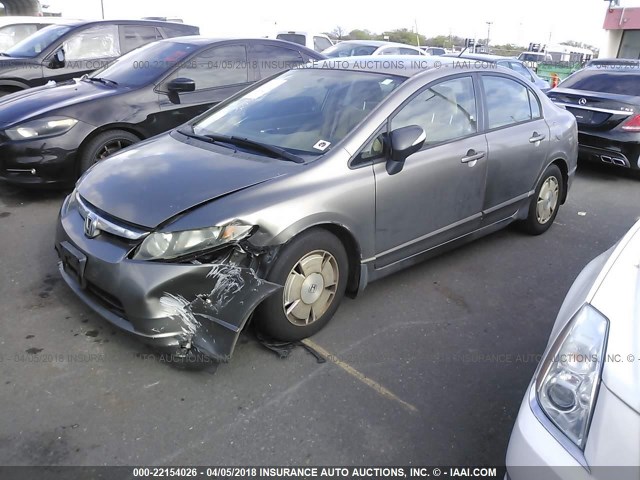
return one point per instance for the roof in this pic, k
(400, 65)
(156, 23)
(200, 41)
(376, 43)
(483, 57)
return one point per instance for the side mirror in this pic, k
(180, 85)
(58, 60)
(404, 141)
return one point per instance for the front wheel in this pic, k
(545, 202)
(103, 145)
(313, 268)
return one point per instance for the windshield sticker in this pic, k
(322, 145)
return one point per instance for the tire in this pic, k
(105, 144)
(545, 202)
(313, 268)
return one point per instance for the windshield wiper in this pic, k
(2, 54)
(264, 147)
(104, 81)
(245, 142)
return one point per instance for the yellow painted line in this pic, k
(385, 392)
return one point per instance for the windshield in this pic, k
(531, 57)
(32, 46)
(305, 111)
(292, 37)
(620, 83)
(349, 50)
(145, 64)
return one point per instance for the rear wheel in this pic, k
(545, 202)
(103, 145)
(313, 269)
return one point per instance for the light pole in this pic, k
(488, 31)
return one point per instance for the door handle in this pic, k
(536, 138)
(472, 156)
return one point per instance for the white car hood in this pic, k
(616, 294)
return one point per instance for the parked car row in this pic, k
(53, 133)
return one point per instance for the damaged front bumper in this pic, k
(166, 305)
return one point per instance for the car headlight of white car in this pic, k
(569, 377)
(166, 246)
(46, 127)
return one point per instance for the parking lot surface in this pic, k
(428, 366)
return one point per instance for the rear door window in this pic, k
(508, 101)
(134, 36)
(272, 59)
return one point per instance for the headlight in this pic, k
(165, 246)
(569, 377)
(69, 202)
(46, 127)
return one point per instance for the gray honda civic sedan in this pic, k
(305, 187)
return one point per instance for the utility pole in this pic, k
(488, 32)
(102, 7)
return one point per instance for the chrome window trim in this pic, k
(107, 226)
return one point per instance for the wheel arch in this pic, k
(348, 240)
(564, 170)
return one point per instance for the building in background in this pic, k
(622, 25)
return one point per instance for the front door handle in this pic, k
(472, 157)
(536, 137)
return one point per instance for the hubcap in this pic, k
(547, 200)
(310, 288)
(111, 147)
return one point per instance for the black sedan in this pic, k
(605, 100)
(51, 134)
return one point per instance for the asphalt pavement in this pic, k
(426, 367)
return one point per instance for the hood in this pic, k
(34, 102)
(151, 182)
(617, 296)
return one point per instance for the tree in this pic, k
(360, 35)
(337, 33)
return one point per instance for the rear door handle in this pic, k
(472, 156)
(536, 137)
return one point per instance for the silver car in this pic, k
(304, 187)
(582, 409)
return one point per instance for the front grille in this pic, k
(106, 300)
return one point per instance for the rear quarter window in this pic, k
(621, 83)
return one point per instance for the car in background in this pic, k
(180, 239)
(75, 47)
(532, 59)
(15, 29)
(359, 48)
(613, 63)
(315, 41)
(511, 63)
(436, 51)
(582, 407)
(606, 104)
(51, 134)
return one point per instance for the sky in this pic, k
(542, 21)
